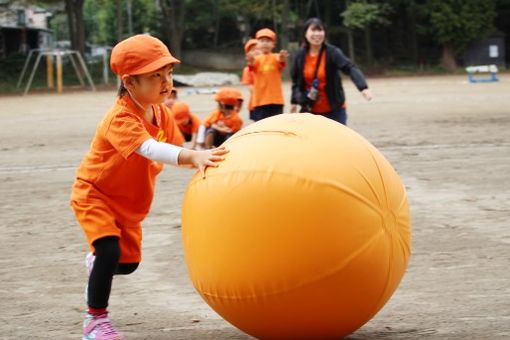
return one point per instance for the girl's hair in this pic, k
(314, 23)
(122, 89)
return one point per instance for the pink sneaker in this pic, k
(99, 328)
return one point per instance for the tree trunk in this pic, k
(327, 12)
(173, 17)
(74, 10)
(129, 10)
(350, 42)
(70, 22)
(411, 29)
(448, 59)
(285, 25)
(216, 11)
(80, 26)
(308, 9)
(119, 20)
(247, 28)
(275, 25)
(368, 46)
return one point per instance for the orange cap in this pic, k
(265, 33)
(181, 112)
(249, 45)
(229, 96)
(140, 54)
(237, 94)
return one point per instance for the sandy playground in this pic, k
(449, 141)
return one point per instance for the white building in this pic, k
(23, 28)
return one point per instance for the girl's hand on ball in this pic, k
(203, 159)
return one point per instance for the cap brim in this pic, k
(156, 65)
(229, 101)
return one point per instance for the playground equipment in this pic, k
(491, 69)
(51, 56)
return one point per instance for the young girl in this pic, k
(114, 184)
(267, 67)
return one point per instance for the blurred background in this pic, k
(386, 38)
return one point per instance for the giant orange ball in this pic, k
(302, 232)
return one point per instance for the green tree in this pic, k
(457, 23)
(76, 24)
(174, 14)
(361, 15)
(105, 20)
(250, 12)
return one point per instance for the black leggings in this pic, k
(106, 265)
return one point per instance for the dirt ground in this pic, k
(449, 141)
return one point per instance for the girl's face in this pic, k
(227, 109)
(254, 51)
(265, 45)
(315, 35)
(153, 87)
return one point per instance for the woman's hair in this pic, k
(122, 89)
(314, 23)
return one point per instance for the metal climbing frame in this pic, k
(58, 55)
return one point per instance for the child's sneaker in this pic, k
(99, 328)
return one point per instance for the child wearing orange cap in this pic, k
(267, 67)
(250, 48)
(114, 184)
(188, 122)
(223, 122)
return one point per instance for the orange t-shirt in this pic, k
(191, 126)
(176, 138)
(233, 121)
(321, 105)
(267, 80)
(112, 172)
(247, 77)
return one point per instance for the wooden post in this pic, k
(49, 71)
(59, 73)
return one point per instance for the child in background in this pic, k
(224, 121)
(114, 184)
(188, 122)
(247, 78)
(267, 68)
(172, 98)
(250, 48)
(178, 137)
